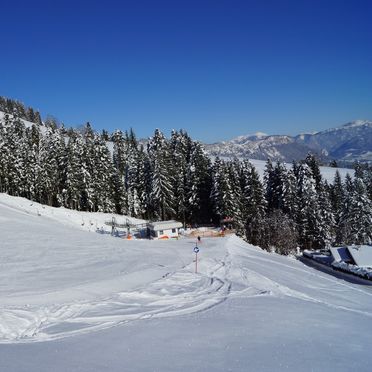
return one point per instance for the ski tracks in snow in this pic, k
(241, 271)
(178, 293)
(300, 282)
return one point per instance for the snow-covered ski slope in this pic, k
(87, 221)
(139, 306)
(328, 173)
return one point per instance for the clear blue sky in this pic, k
(215, 68)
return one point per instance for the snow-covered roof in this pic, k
(340, 254)
(164, 225)
(362, 255)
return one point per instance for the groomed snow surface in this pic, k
(73, 300)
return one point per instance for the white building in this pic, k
(360, 255)
(164, 229)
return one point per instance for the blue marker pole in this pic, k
(196, 250)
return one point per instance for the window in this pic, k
(174, 230)
(161, 232)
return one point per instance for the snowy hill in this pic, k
(352, 141)
(261, 148)
(139, 305)
(27, 123)
(328, 173)
(87, 221)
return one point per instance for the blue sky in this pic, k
(215, 68)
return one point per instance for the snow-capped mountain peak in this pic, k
(248, 137)
(351, 141)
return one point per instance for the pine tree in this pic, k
(358, 170)
(221, 193)
(132, 170)
(102, 176)
(308, 218)
(31, 163)
(359, 216)
(143, 184)
(50, 181)
(254, 205)
(368, 182)
(313, 164)
(337, 198)
(199, 186)
(119, 161)
(180, 147)
(162, 195)
(4, 150)
(326, 226)
(16, 144)
(236, 198)
(289, 197)
(76, 173)
(270, 185)
(280, 233)
(344, 227)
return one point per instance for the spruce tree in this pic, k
(199, 185)
(359, 217)
(313, 164)
(221, 193)
(162, 173)
(337, 198)
(254, 205)
(76, 173)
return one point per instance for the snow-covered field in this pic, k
(328, 173)
(81, 220)
(74, 300)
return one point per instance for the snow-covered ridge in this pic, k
(328, 173)
(249, 137)
(352, 124)
(87, 221)
(27, 124)
(349, 142)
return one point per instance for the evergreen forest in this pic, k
(173, 178)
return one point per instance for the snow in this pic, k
(362, 255)
(356, 123)
(363, 272)
(74, 300)
(328, 173)
(165, 225)
(28, 124)
(340, 254)
(245, 138)
(83, 220)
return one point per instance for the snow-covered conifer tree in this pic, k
(337, 198)
(254, 205)
(76, 173)
(313, 164)
(198, 187)
(52, 168)
(221, 193)
(162, 195)
(308, 208)
(359, 216)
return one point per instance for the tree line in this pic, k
(173, 178)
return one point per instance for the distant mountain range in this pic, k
(347, 143)
(350, 142)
